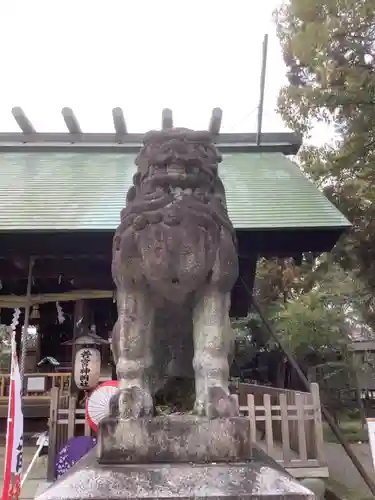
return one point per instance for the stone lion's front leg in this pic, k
(131, 345)
(212, 341)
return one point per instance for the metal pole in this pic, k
(335, 429)
(262, 87)
(26, 323)
(43, 441)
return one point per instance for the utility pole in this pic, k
(262, 87)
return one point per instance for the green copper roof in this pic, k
(86, 191)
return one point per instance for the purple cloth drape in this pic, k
(73, 451)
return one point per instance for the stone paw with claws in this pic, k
(131, 403)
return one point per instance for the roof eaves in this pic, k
(285, 142)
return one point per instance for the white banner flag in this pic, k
(371, 437)
(14, 447)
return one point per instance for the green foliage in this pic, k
(328, 47)
(314, 305)
(311, 324)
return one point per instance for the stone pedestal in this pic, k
(90, 480)
(174, 439)
(175, 457)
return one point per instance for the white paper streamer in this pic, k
(60, 313)
(15, 320)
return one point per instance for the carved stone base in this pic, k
(174, 439)
(253, 480)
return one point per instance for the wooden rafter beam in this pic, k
(166, 119)
(57, 276)
(53, 267)
(119, 121)
(22, 121)
(71, 121)
(215, 121)
(122, 141)
(13, 301)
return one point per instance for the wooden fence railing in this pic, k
(39, 388)
(286, 424)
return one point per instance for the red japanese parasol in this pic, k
(97, 404)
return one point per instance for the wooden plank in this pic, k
(296, 462)
(301, 430)
(318, 425)
(166, 119)
(71, 121)
(252, 417)
(87, 428)
(14, 301)
(215, 121)
(285, 442)
(284, 142)
(277, 418)
(268, 426)
(52, 434)
(308, 407)
(22, 121)
(110, 139)
(72, 415)
(308, 471)
(65, 421)
(123, 147)
(79, 411)
(36, 398)
(119, 122)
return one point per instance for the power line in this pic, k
(242, 119)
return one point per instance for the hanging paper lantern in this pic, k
(87, 363)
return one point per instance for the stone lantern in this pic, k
(87, 360)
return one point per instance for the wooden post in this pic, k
(301, 429)
(26, 323)
(252, 417)
(285, 441)
(72, 415)
(318, 424)
(354, 369)
(87, 428)
(268, 424)
(52, 433)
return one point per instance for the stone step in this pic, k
(249, 480)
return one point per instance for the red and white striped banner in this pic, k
(14, 439)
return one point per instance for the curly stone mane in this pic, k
(175, 221)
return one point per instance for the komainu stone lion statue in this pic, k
(174, 265)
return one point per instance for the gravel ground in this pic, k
(340, 467)
(343, 471)
(37, 474)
